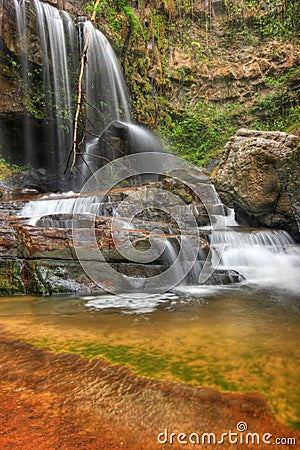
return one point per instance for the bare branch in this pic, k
(80, 91)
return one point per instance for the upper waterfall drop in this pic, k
(57, 37)
(48, 68)
(107, 98)
(50, 61)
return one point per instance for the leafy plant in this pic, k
(270, 18)
(7, 169)
(200, 132)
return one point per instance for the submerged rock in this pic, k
(224, 277)
(259, 176)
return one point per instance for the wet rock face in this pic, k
(259, 176)
(42, 258)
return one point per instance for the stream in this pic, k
(240, 338)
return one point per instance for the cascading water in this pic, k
(23, 42)
(48, 81)
(107, 98)
(53, 205)
(50, 45)
(58, 41)
(263, 256)
(259, 255)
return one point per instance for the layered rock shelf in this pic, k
(41, 258)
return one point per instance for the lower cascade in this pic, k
(237, 253)
(260, 255)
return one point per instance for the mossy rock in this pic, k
(11, 277)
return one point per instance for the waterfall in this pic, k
(263, 256)
(142, 139)
(49, 62)
(50, 71)
(170, 258)
(60, 205)
(104, 85)
(270, 259)
(57, 37)
(50, 45)
(107, 99)
(23, 43)
(259, 255)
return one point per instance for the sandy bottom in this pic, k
(63, 401)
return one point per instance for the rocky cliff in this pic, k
(188, 64)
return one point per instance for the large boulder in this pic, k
(259, 175)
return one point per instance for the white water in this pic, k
(142, 140)
(105, 88)
(48, 206)
(58, 39)
(106, 98)
(23, 44)
(170, 256)
(137, 303)
(263, 256)
(57, 36)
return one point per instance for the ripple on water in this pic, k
(240, 338)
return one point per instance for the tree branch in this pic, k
(80, 91)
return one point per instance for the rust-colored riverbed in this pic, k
(107, 373)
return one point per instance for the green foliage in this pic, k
(7, 170)
(11, 65)
(279, 108)
(282, 19)
(116, 14)
(275, 112)
(33, 92)
(194, 128)
(133, 20)
(270, 18)
(11, 280)
(200, 132)
(90, 7)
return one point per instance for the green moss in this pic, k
(153, 364)
(11, 281)
(294, 424)
(7, 170)
(197, 133)
(197, 368)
